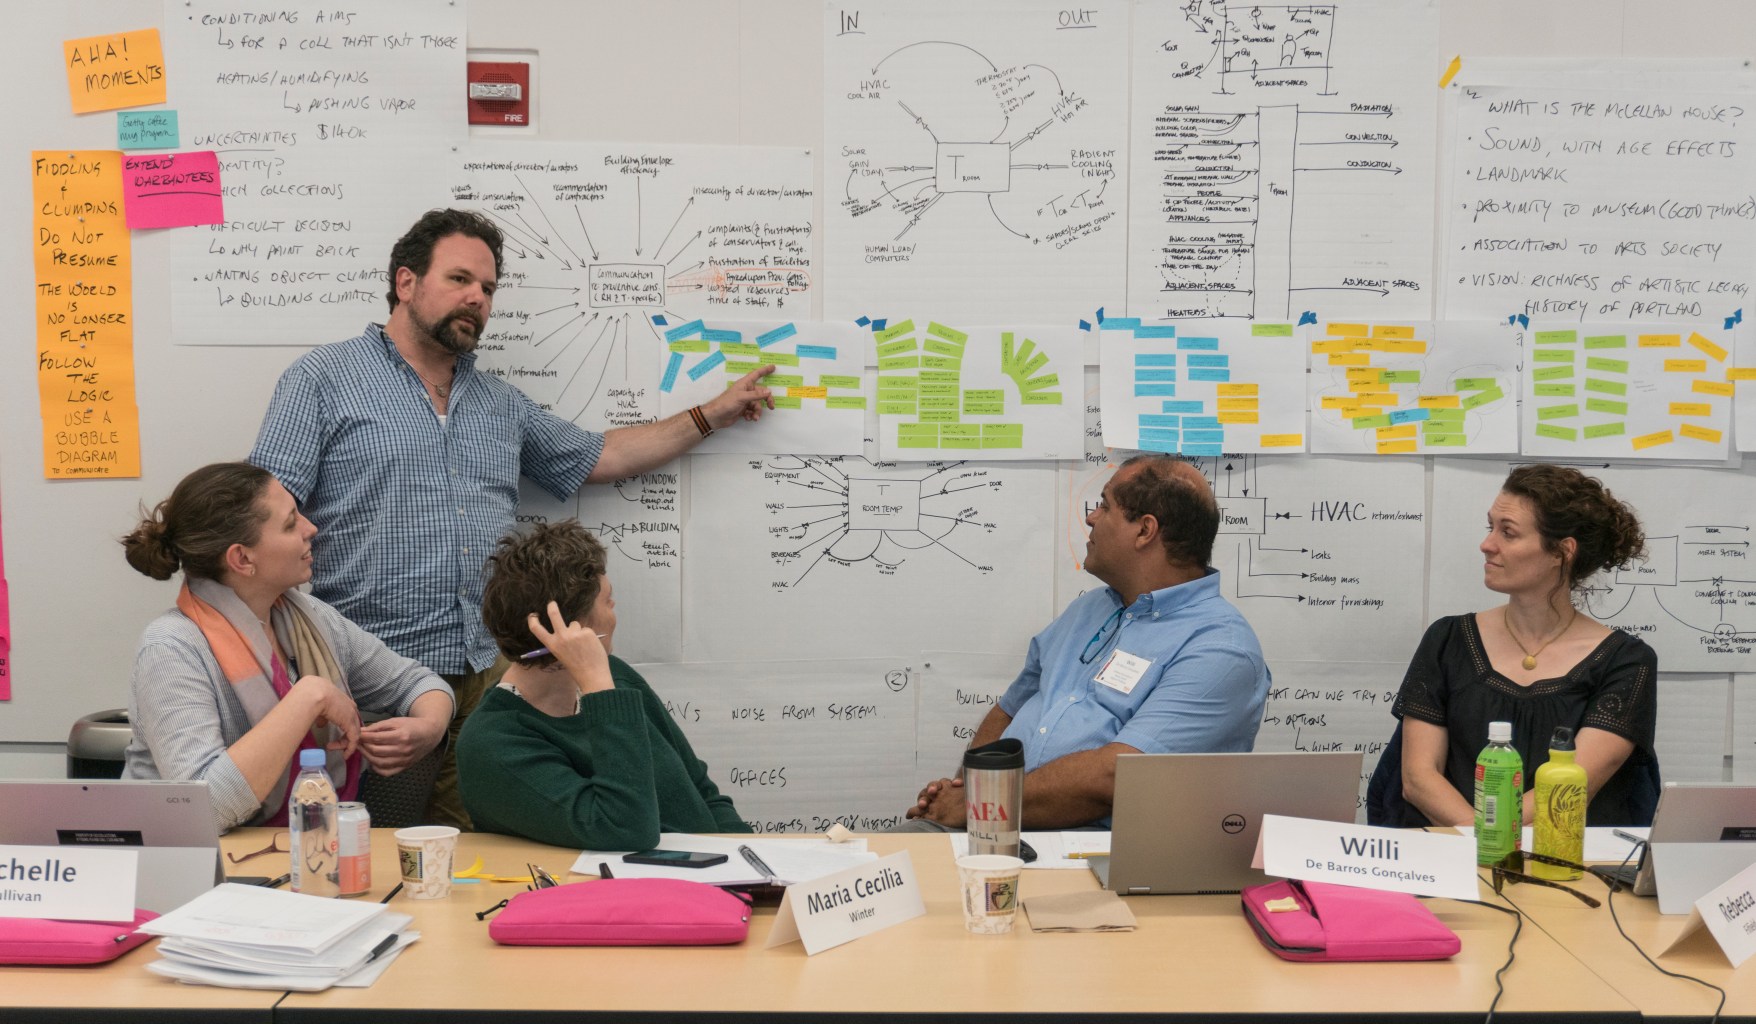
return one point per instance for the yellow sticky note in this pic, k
(1700, 433)
(1333, 345)
(1719, 354)
(1238, 417)
(1691, 409)
(1451, 71)
(1396, 447)
(1441, 401)
(1337, 402)
(1237, 389)
(1741, 373)
(1403, 346)
(1401, 430)
(1282, 440)
(1661, 341)
(1723, 389)
(1348, 330)
(1685, 366)
(1354, 359)
(1653, 440)
(808, 392)
(124, 69)
(1392, 331)
(1239, 404)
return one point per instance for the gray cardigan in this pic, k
(185, 715)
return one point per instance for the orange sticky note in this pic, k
(1661, 341)
(807, 392)
(1685, 366)
(1653, 440)
(1690, 430)
(125, 69)
(1282, 440)
(1348, 330)
(1723, 389)
(1691, 409)
(1719, 354)
(1401, 430)
(1396, 447)
(1440, 401)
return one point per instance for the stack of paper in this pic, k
(789, 860)
(245, 936)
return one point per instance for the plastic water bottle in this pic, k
(1499, 796)
(1560, 810)
(311, 817)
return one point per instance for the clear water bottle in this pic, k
(1499, 796)
(311, 817)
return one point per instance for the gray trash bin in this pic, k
(97, 745)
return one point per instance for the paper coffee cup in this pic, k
(990, 892)
(426, 852)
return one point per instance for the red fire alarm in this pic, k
(499, 93)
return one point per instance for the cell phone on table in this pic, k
(675, 858)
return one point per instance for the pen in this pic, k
(276, 883)
(1631, 837)
(756, 862)
(382, 947)
(1086, 854)
(391, 893)
(604, 870)
(539, 652)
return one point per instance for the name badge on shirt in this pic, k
(1123, 671)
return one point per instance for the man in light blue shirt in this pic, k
(1156, 662)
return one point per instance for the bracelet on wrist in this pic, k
(700, 419)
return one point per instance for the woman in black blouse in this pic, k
(1536, 661)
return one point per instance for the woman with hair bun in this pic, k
(1536, 661)
(247, 671)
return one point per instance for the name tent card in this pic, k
(852, 904)
(67, 883)
(1728, 913)
(1393, 859)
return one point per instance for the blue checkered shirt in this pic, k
(408, 508)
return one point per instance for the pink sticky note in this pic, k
(171, 190)
(5, 645)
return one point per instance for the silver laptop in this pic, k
(170, 824)
(1702, 834)
(1187, 823)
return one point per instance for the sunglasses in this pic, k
(282, 842)
(1511, 870)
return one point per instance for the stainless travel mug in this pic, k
(993, 786)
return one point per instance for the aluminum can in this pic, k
(354, 826)
(993, 784)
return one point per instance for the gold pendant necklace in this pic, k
(1530, 656)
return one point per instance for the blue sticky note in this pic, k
(700, 370)
(815, 352)
(1220, 376)
(1155, 331)
(1149, 445)
(1155, 390)
(1148, 375)
(1184, 406)
(1208, 360)
(1148, 419)
(1165, 434)
(146, 129)
(1201, 423)
(1216, 449)
(679, 333)
(1155, 359)
(768, 338)
(1409, 415)
(1120, 323)
(671, 369)
(1204, 344)
(723, 336)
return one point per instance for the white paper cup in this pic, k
(425, 852)
(990, 892)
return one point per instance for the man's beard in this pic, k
(445, 334)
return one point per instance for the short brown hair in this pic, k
(1567, 503)
(560, 562)
(1187, 514)
(414, 249)
(209, 510)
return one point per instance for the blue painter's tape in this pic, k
(1121, 323)
(1187, 344)
(700, 370)
(679, 333)
(1155, 331)
(1085, 325)
(1155, 359)
(1100, 315)
(878, 325)
(1187, 406)
(658, 319)
(1221, 376)
(1209, 360)
(1155, 390)
(671, 369)
(768, 338)
(1152, 419)
(863, 321)
(1410, 415)
(815, 352)
(1307, 317)
(1147, 375)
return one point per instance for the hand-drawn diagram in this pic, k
(974, 157)
(1202, 387)
(1657, 391)
(1414, 388)
(820, 383)
(856, 556)
(989, 390)
(1693, 598)
(600, 239)
(1277, 153)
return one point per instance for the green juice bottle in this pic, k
(1560, 810)
(1499, 796)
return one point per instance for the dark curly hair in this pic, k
(560, 562)
(1568, 503)
(210, 510)
(414, 249)
(1181, 501)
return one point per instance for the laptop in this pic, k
(1702, 834)
(170, 824)
(1187, 823)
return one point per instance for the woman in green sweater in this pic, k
(573, 748)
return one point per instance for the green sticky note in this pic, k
(1366, 422)
(690, 345)
(1551, 372)
(828, 380)
(784, 380)
(1047, 380)
(941, 362)
(739, 348)
(1474, 383)
(786, 402)
(949, 334)
(781, 358)
(938, 416)
(1482, 398)
(920, 441)
(1554, 391)
(846, 401)
(895, 331)
(938, 401)
(1438, 416)
(1003, 441)
(896, 408)
(1556, 337)
(1606, 430)
(899, 381)
(984, 408)
(1443, 440)
(1606, 405)
(1608, 387)
(1557, 432)
(944, 348)
(951, 375)
(1557, 412)
(1607, 341)
(961, 430)
(984, 395)
(1041, 398)
(1271, 330)
(960, 442)
(928, 429)
(1552, 355)
(896, 348)
(1036, 362)
(1603, 365)
(938, 387)
(889, 395)
(1402, 377)
(900, 363)
(738, 369)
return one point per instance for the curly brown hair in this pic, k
(560, 562)
(1568, 503)
(208, 511)
(414, 249)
